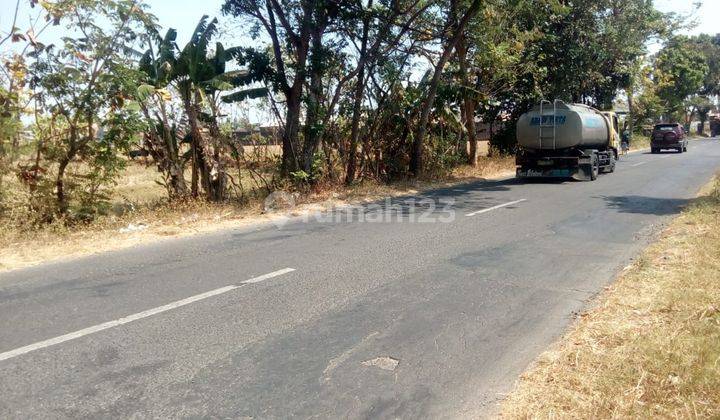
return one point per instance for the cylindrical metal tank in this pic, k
(575, 125)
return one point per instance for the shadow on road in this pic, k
(441, 204)
(646, 205)
(472, 186)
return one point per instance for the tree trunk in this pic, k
(416, 163)
(631, 110)
(468, 101)
(470, 126)
(194, 178)
(175, 168)
(218, 177)
(701, 126)
(61, 198)
(292, 128)
(199, 163)
(164, 151)
(357, 103)
(313, 127)
(62, 204)
(177, 180)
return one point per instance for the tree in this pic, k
(491, 66)
(452, 33)
(85, 87)
(289, 26)
(709, 46)
(374, 30)
(157, 65)
(700, 105)
(590, 48)
(679, 73)
(200, 78)
(14, 93)
(648, 107)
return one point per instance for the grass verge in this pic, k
(639, 142)
(651, 346)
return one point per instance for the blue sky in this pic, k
(707, 16)
(184, 14)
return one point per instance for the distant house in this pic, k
(484, 133)
(248, 136)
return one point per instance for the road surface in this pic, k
(335, 318)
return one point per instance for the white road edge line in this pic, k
(140, 315)
(495, 207)
(639, 163)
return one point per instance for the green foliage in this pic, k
(504, 140)
(10, 127)
(199, 76)
(649, 107)
(242, 95)
(316, 173)
(679, 72)
(85, 121)
(709, 46)
(588, 48)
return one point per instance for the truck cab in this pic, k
(614, 124)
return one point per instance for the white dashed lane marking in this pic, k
(475, 213)
(134, 317)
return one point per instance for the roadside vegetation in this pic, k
(640, 141)
(358, 97)
(649, 346)
(139, 212)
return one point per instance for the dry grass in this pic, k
(487, 167)
(651, 346)
(640, 142)
(138, 185)
(139, 201)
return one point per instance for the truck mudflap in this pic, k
(544, 173)
(578, 174)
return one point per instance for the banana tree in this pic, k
(162, 138)
(200, 78)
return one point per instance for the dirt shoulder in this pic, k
(649, 347)
(20, 249)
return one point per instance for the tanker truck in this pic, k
(562, 140)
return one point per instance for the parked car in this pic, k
(668, 136)
(714, 126)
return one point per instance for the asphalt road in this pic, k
(434, 317)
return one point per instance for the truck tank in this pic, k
(573, 126)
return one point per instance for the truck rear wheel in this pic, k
(610, 167)
(613, 161)
(595, 167)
